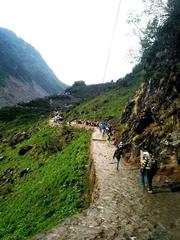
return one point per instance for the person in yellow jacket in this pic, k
(146, 172)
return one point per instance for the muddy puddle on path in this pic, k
(123, 211)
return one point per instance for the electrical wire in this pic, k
(110, 46)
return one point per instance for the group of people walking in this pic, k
(105, 129)
(148, 165)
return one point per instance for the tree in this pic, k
(146, 24)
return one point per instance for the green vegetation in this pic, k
(89, 91)
(47, 103)
(46, 184)
(40, 103)
(13, 119)
(106, 106)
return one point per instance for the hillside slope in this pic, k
(152, 116)
(43, 173)
(24, 75)
(105, 102)
(83, 91)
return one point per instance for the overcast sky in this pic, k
(74, 36)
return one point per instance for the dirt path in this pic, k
(123, 210)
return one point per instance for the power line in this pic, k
(110, 46)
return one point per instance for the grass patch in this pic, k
(13, 119)
(106, 106)
(55, 185)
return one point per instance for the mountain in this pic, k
(24, 75)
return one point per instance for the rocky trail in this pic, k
(123, 210)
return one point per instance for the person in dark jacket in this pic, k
(118, 154)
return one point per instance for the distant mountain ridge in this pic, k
(24, 75)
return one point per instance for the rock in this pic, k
(19, 137)
(128, 111)
(24, 150)
(79, 83)
(86, 166)
(7, 175)
(41, 164)
(175, 187)
(33, 130)
(1, 158)
(69, 137)
(24, 172)
(145, 120)
(53, 149)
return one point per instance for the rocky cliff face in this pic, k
(24, 75)
(152, 117)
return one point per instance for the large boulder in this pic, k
(24, 150)
(2, 158)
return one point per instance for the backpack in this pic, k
(150, 162)
(145, 160)
(154, 166)
(146, 155)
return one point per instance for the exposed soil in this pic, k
(123, 210)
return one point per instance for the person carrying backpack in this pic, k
(147, 169)
(118, 154)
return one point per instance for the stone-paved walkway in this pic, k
(123, 210)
